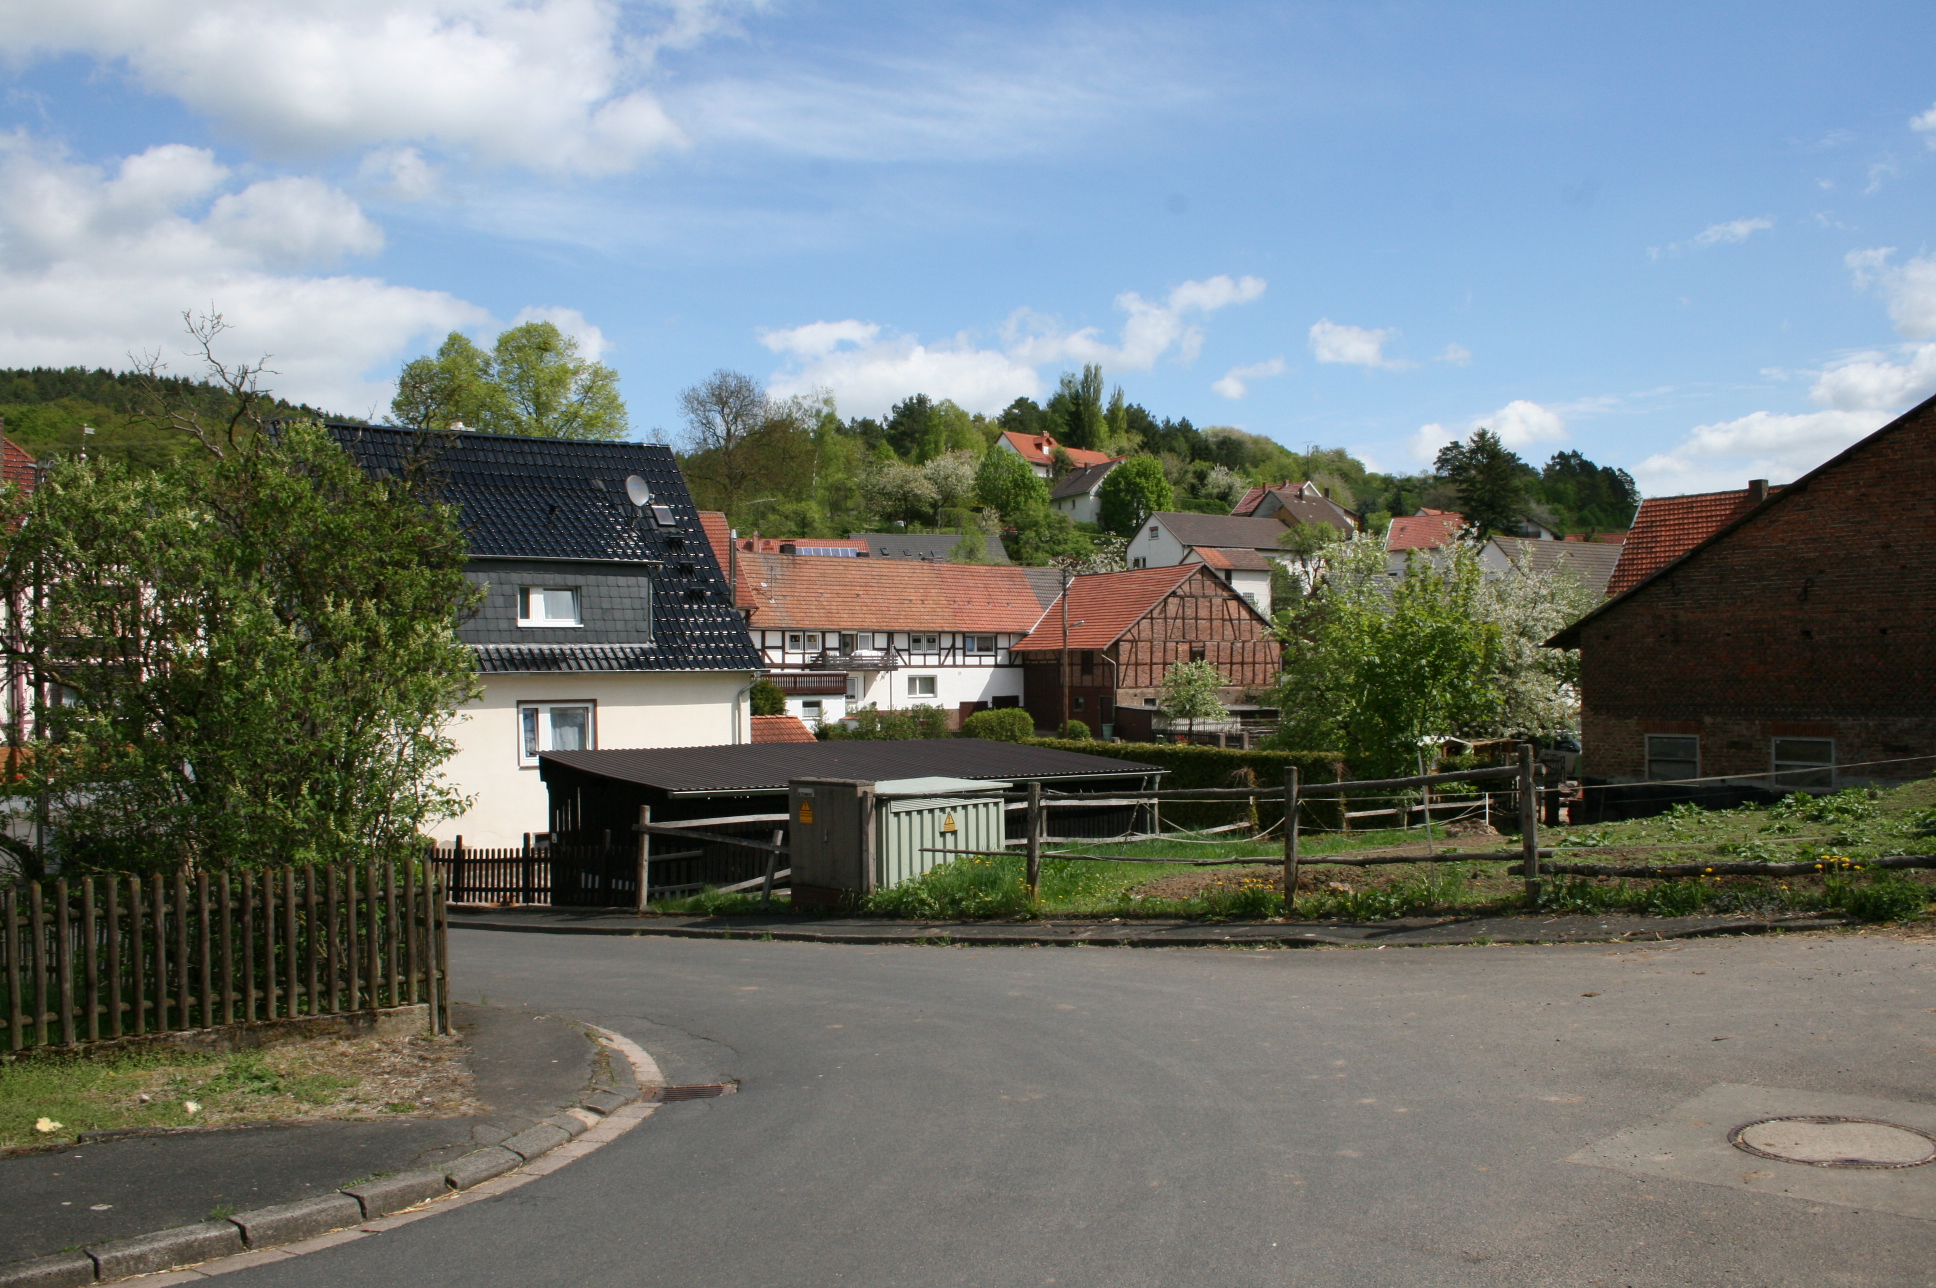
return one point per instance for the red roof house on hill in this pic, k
(1667, 527)
(1039, 451)
(1426, 530)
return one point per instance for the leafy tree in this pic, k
(952, 475)
(767, 698)
(256, 653)
(1005, 483)
(1537, 689)
(553, 392)
(1584, 497)
(1192, 691)
(910, 428)
(1133, 491)
(1023, 416)
(898, 491)
(1378, 665)
(1076, 409)
(1046, 536)
(532, 382)
(1491, 482)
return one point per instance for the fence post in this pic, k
(430, 958)
(1034, 817)
(524, 862)
(38, 928)
(645, 861)
(16, 981)
(1344, 805)
(772, 864)
(440, 915)
(456, 870)
(1290, 840)
(1529, 820)
(64, 962)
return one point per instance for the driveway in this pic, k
(1119, 1117)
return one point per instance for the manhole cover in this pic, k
(1836, 1142)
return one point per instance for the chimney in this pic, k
(1757, 491)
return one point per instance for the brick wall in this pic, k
(1815, 619)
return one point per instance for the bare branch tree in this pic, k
(724, 414)
(241, 419)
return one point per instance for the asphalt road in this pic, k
(1123, 1117)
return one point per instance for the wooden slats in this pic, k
(89, 958)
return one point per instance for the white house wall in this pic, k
(633, 709)
(1155, 546)
(1080, 509)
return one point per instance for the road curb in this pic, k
(1245, 936)
(608, 1108)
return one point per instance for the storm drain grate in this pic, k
(703, 1091)
(1833, 1141)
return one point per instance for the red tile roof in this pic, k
(16, 465)
(1426, 530)
(781, 729)
(1039, 449)
(1667, 527)
(1102, 606)
(789, 593)
(1241, 560)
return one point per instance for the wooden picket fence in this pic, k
(101, 957)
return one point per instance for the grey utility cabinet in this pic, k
(849, 837)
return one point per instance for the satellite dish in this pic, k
(636, 489)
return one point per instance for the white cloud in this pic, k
(868, 376)
(1456, 354)
(1355, 345)
(1234, 383)
(1909, 289)
(1722, 234)
(1150, 331)
(591, 341)
(1520, 423)
(1871, 382)
(402, 173)
(98, 264)
(1772, 445)
(868, 373)
(1925, 125)
(551, 84)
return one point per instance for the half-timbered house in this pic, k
(1118, 633)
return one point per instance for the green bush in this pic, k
(768, 698)
(1009, 724)
(1192, 766)
(967, 887)
(902, 725)
(1075, 731)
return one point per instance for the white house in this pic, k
(1077, 493)
(604, 624)
(840, 634)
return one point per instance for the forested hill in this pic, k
(45, 407)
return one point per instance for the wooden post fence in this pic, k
(101, 957)
(1034, 839)
(1290, 840)
(1529, 820)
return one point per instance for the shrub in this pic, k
(967, 887)
(1075, 731)
(902, 725)
(1010, 724)
(1253, 897)
(768, 698)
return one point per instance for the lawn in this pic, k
(1840, 832)
(49, 1099)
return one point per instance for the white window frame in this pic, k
(980, 643)
(1139, 562)
(525, 594)
(793, 642)
(813, 710)
(1792, 773)
(924, 643)
(538, 722)
(1651, 757)
(915, 683)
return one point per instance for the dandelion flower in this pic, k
(46, 1125)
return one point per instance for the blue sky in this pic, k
(1693, 241)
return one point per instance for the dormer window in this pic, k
(548, 606)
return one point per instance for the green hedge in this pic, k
(1197, 766)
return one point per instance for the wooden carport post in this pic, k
(1290, 840)
(1034, 817)
(645, 860)
(1529, 820)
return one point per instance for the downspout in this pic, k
(737, 697)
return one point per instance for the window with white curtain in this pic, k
(548, 606)
(555, 726)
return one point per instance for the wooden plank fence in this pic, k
(98, 957)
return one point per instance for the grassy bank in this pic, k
(1840, 833)
(51, 1099)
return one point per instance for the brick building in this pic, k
(1793, 642)
(1125, 629)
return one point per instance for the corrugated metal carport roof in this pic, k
(752, 767)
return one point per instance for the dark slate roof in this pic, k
(541, 498)
(1081, 482)
(928, 547)
(770, 766)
